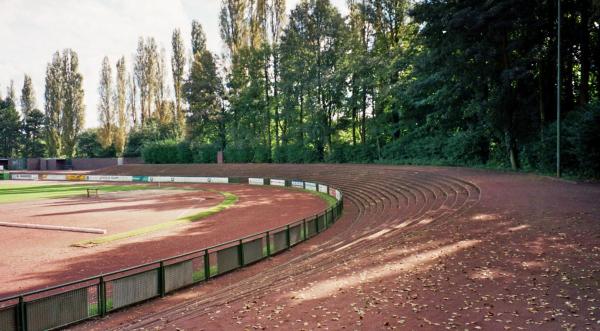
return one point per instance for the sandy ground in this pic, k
(417, 248)
(31, 259)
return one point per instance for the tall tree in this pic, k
(313, 45)
(178, 69)
(145, 71)
(106, 113)
(9, 127)
(132, 101)
(27, 96)
(120, 106)
(33, 127)
(203, 92)
(54, 101)
(72, 120)
(163, 110)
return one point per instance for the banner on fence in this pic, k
(256, 181)
(323, 188)
(298, 184)
(218, 180)
(24, 176)
(139, 178)
(105, 178)
(277, 182)
(53, 177)
(76, 178)
(204, 180)
(310, 186)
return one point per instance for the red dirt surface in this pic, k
(417, 248)
(31, 259)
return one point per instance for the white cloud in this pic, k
(31, 31)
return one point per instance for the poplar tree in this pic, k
(145, 71)
(53, 107)
(163, 111)
(178, 70)
(73, 119)
(105, 107)
(120, 107)
(27, 96)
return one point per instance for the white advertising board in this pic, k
(310, 186)
(256, 181)
(218, 180)
(338, 195)
(323, 188)
(25, 176)
(56, 177)
(297, 184)
(107, 178)
(277, 182)
(166, 179)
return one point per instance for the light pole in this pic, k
(558, 92)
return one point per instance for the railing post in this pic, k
(206, 265)
(305, 229)
(22, 321)
(101, 297)
(162, 286)
(317, 223)
(268, 244)
(288, 240)
(241, 253)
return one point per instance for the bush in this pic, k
(167, 151)
(238, 154)
(204, 153)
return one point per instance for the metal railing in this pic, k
(62, 305)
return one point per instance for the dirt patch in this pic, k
(36, 258)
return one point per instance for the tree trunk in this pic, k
(268, 108)
(363, 133)
(584, 92)
(275, 93)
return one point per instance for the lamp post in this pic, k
(558, 82)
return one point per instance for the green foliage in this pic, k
(160, 152)
(10, 126)
(88, 145)
(166, 151)
(204, 153)
(151, 132)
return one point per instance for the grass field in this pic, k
(16, 193)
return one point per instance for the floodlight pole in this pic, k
(558, 82)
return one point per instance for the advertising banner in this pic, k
(76, 177)
(277, 182)
(218, 180)
(54, 177)
(310, 186)
(298, 184)
(323, 188)
(24, 176)
(106, 178)
(161, 179)
(332, 191)
(256, 181)
(140, 178)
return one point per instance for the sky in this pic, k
(31, 31)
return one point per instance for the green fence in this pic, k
(73, 302)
